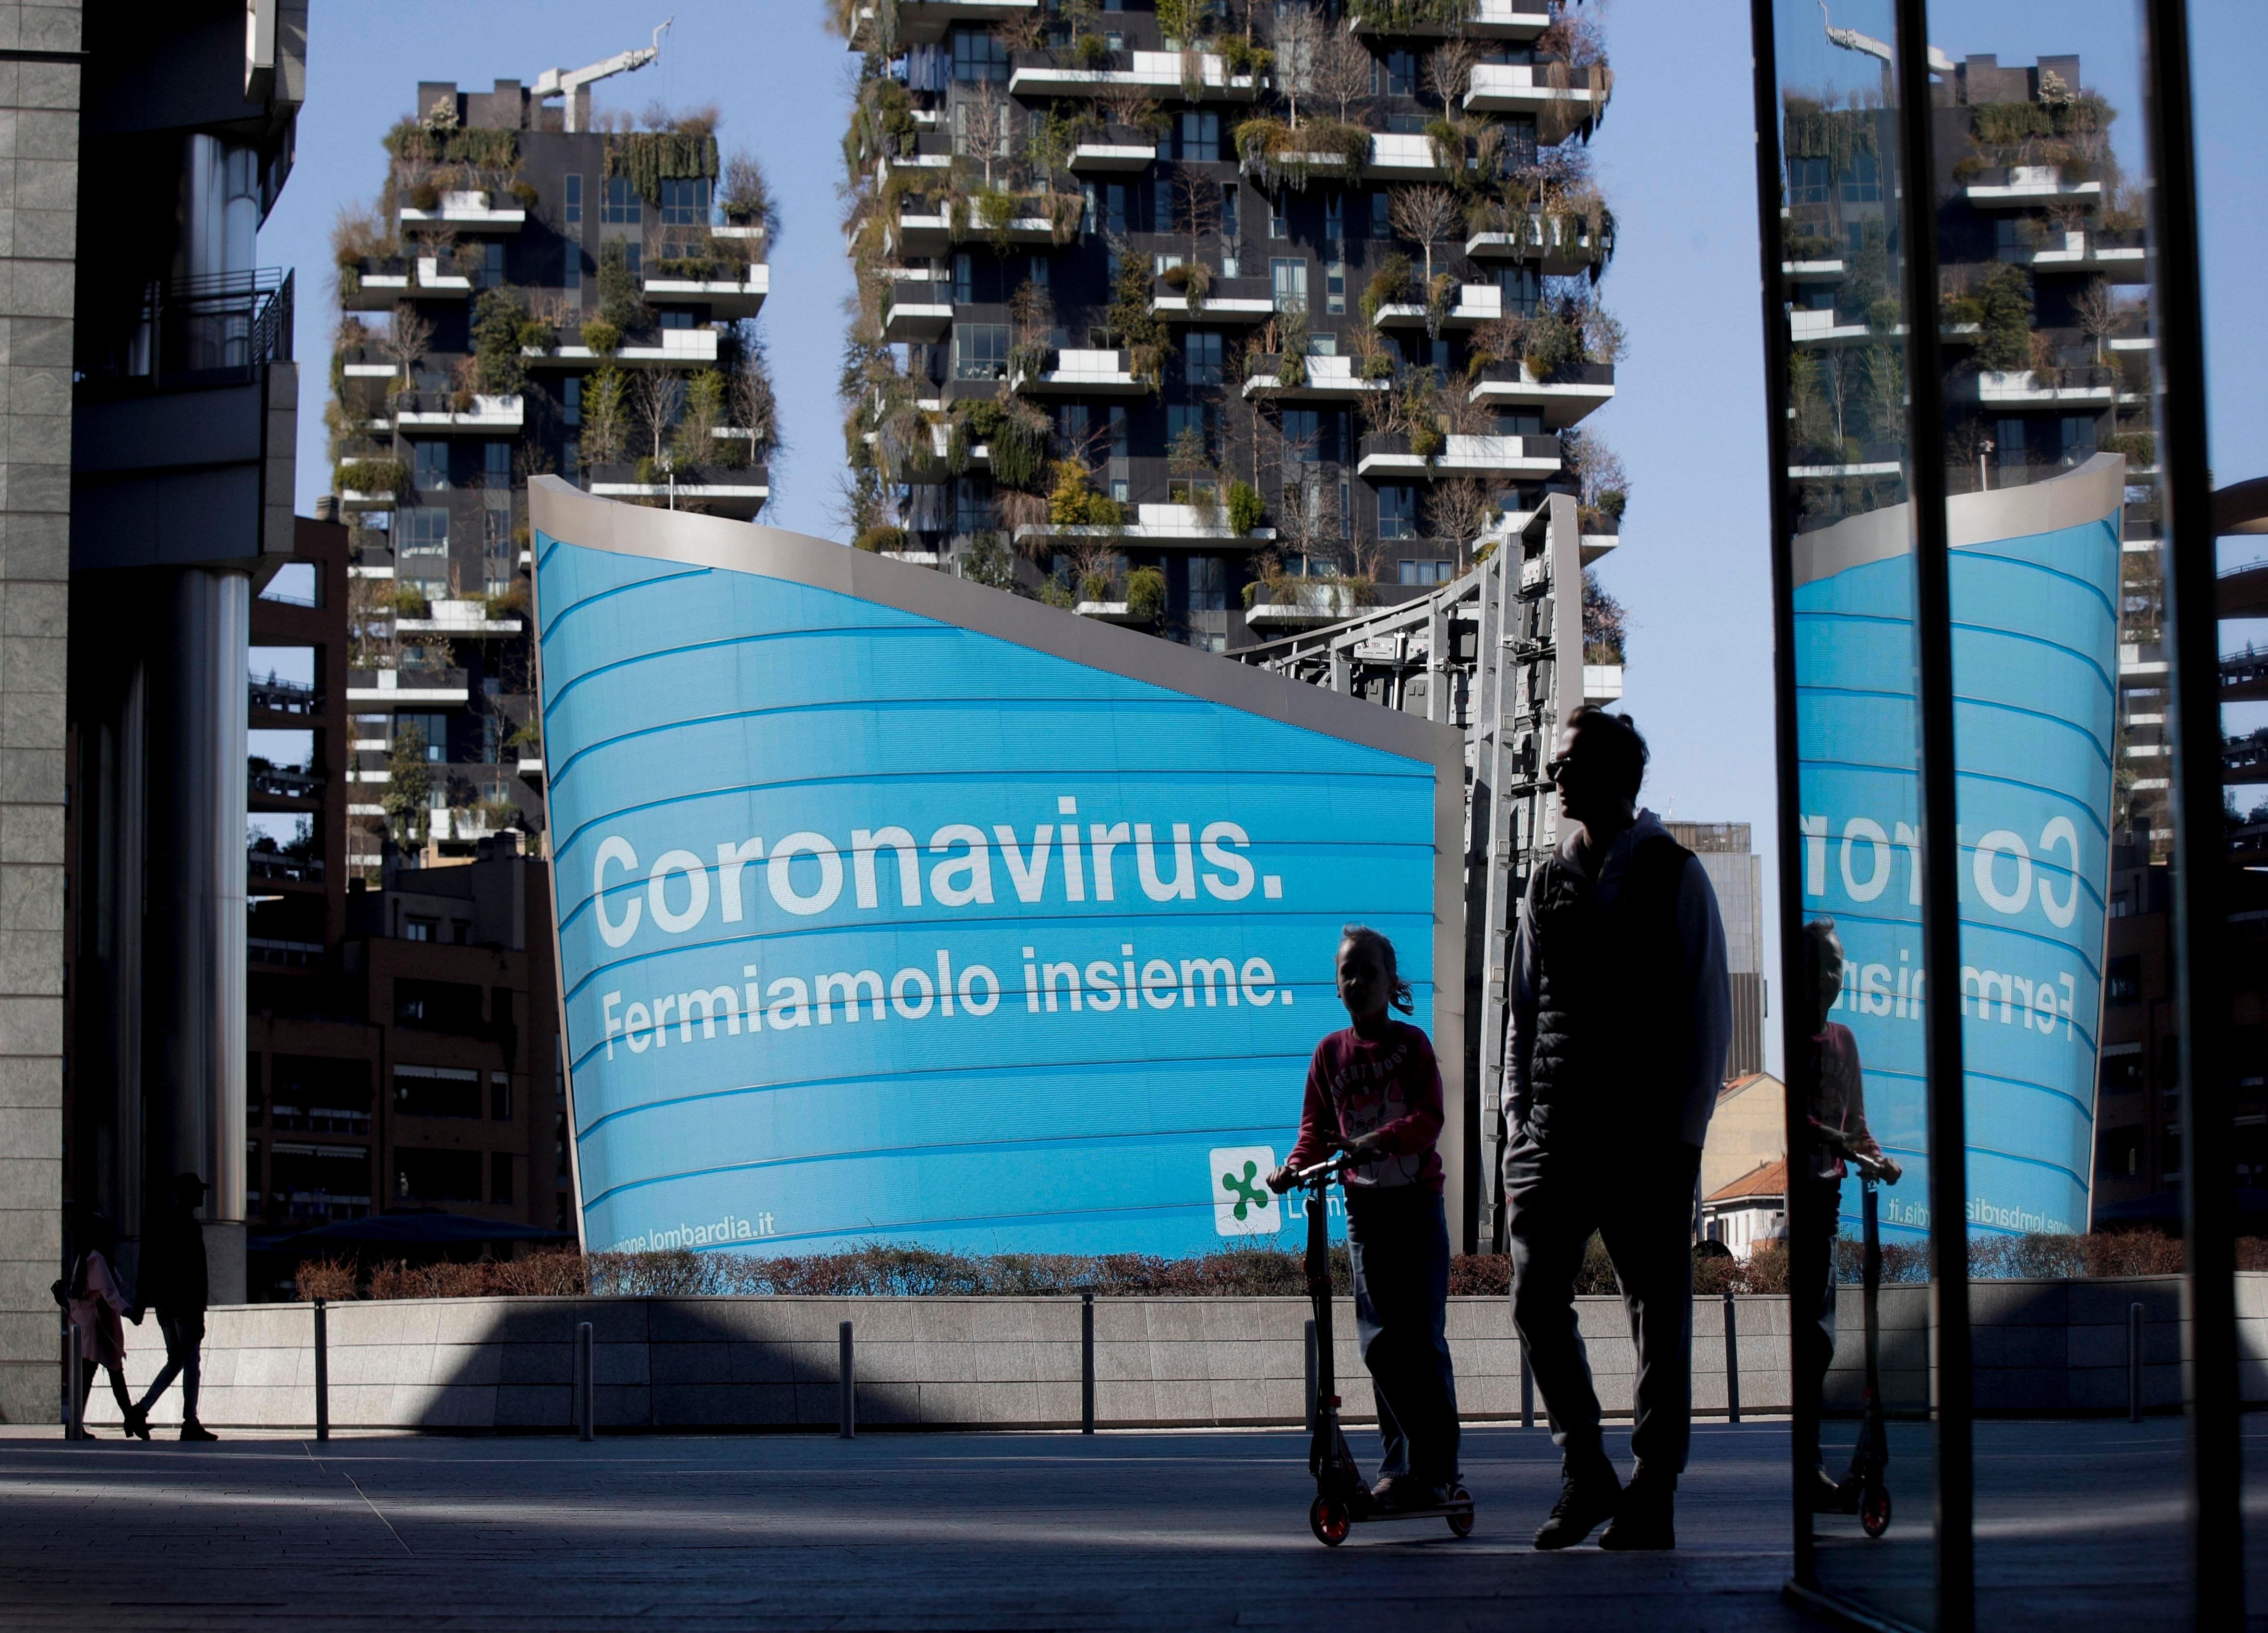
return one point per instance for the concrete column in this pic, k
(201, 1008)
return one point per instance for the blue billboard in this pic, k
(891, 909)
(2035, 583)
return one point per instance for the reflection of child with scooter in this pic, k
(1373, 1092)
(1839, 1142)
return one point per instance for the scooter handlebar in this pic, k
(1322, 1171)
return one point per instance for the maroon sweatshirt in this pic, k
(1391, 1088)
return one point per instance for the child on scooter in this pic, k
(1374, 1091)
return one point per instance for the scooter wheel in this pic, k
(1461, 1525)
(1874, 1511)
(1329, 1520)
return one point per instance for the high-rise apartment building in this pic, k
(537, 288)
(149, 412)
(1736, 874)
(1223, 320)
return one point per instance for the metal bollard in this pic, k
(1086, 1363)
(586, 1384)
(1732, 1361)
(2133, 1363)
(1311, 1374)
(849, 1382)
(73, 1396)
(322, 1370)
(1527, 1389)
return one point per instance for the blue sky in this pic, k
(1676, 158)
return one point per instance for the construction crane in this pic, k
(570, 84)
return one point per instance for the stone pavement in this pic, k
(892, 1530)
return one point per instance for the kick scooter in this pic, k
(1342, 1496)
(1861, 1490)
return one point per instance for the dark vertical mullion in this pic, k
(2216, 1572)
(1926, 487)
(1804, 1271)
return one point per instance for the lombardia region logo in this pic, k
(1241, 1202)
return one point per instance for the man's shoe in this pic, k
(197, 1432)
(1584, 1499)
(1396, 1493)
(138, 1422)
(1644, 1519)
(1826, 1493)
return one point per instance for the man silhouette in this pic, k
(1620, 1014)
(173, 1283)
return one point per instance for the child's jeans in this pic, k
(1398, 1238)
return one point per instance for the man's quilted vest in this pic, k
(1614, 1021)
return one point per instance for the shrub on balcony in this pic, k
(1067, 505)
(424, 195)
(1809, 247)
(1280, 155)
(1884, 315)
(1096, 585)
(619, 301)
(1059, 595)
(2004, 298)
(1146, 594)
(499, 315)
(1388, 286)
(1090, 52)
(511, 603)
(410, 602)
(372, 476)
(1245, 507)
(602, 338)
(524, 194)
(1376, 365)
(649, 158)
(1244, 58)
(876, 540)
(1426, 440)
(2139, 447)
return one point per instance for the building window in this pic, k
(977, 55)
(1397, 512)
(1114, 207)
(1303, 437)
(496, 464)
(500, 1081)
(429, 465)
(684, 215)
(1201, 358)
(1427, 572)
(415, 929)
(1521, 288)
(1808, 181)
(570, 460)
(980, 351)
(2122, 981)
(1071, 429)
(1381, 227)
(423, 730)
(1862, 181)
(972, 505)
(1118, 445)
(570, 209)
(964, 279)
(499, 1176)
(1039, 275)
(1395, 75)
(1201, 138)
(1288, 275)
(1278, 226)
(1208, 583)
(423, 530)
(570, 407)
(570, 270)
(1335, 286)
(620, 206)
(490, 275)
(1229, 266)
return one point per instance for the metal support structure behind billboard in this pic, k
(891, 909)
(1483, 654)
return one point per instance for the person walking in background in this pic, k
(1838, 1136)
(1374, 1093)
(1620, 1015)
(91, 1298)
(173, 1283)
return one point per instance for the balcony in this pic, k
(1226, 300)
(668, 348)
(718, 491)
(1293, 605)
(1820, 271)
(1527, 88)
(1822, 326)
(1386, 455)
(407, 688)
(1603, 683)
(926, 229)
(916, 313)
(264, 780)
(467, 619)
(1161, 525)
(2047, 388)
(1106, 374)
(1484, 19)
(1570, 395)
(925, 22)
(2022, 187)
(380, 284)
(194, 334)
(1404, 156)
(1112, 158)
(2115, 257)
(1476, 303)
(742, 296)
(1868, 460)
(285, 697)
(487, 417)
(1036, 74)
(266, 863)
(1318, 380)
(466, 212)
(1109, 612)
(1557, 246)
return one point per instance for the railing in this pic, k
(283, 782)
(286, 698)
(193, 334)
(281, 865)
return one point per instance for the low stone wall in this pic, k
(670, 1363)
